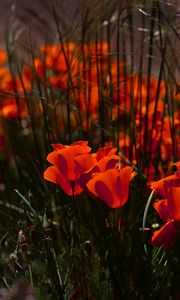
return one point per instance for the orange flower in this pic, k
(168, 210)
(59, 81)
(166, 235)
(11, 84)
(105, 151)
(98, 162)
(39, 67)
(3, 56)
(97, 52)
(161, 185)
(3, 73)
(55, 57)
(59, 63)
(11, 110)
(64, 171)
(112, 186)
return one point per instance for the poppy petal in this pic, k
(164, 210)
(122, 183)
(165, 236)
(52, 174)
(174, 202)
(104, 151)
(108, 186)
(104, 193)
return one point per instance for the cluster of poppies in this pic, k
(98, 85)
(102, 90)
(99, 93)
(13, 88)
(76, 170)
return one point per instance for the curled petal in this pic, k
(52, 174)
(104, 151)
(173, 196)
(81, 143)
(160, 186)
(57, 146)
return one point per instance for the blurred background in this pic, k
(23, 21)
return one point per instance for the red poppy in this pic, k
(97, 52)
(112, 186)
(59, 62)
(169, 211)
(105, 151)
(98, 162)
(161, 185)
(39, 67)
(166, 235)
(3, 56)
(11, 110)
(64, 171)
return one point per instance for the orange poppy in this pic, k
(112, 186)
(101, 161)
(166, 236)
(105, 151)
(64, 171)
(168, 210)
(3, 56)
(97, 52)
(161, 185)
(59, 63)
(11, 110)
(58, 81)
(3, 73)
(39, 68)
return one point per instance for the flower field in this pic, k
(90, 156)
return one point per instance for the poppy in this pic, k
(168, 210)
(39, 68)
(3, 56)
(162, 185)
(11, 110)
(64, 171)
(166, 235)
(101, 161)
(111, 186)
